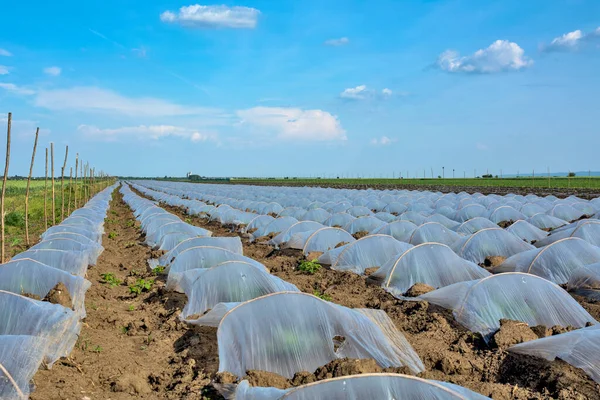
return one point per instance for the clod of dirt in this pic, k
(225, 378)
(347, 366)
(418, 289)
(59, 294)
(511, 333)
(360, 235)
(313, 255)
(266, 379)
(340, 244)
(303, 378)
(31, 296)
(371, 270)
(131, 384)
(493, 261)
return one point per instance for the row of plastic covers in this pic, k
(33, 331)
(524, 288)
(265, 323)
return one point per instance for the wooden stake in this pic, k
(76, 186)
(4, 180)
(46, 193)
(53, 193)
(62, 185)
(70, 191)
(37, 131)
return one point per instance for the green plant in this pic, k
(131, 308)
(124, 330)
(130, 245)
(112, 235)
(94, 306)
(158, 270)
(141, 285)
(15, 218)
(16, 242)
(322, 296)
(97, 349)
(111, 279)
(309, 266)
(130, 223)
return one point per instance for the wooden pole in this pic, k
(76, 185)
(62, 186)
(53, 193)
(5, 177)
(37, 131)
(70, 191)
(46, 193)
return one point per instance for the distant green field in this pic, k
(579, 182)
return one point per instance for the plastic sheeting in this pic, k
(278, 225)
(21, 315)
(73, 262)
(580, 348)
(527, 232)
(25, 276)
(359, 387)
(479, 305)
(505, 214)
(489, 242)
(231, 281)
(431, 263)
(298, 227)
(370, 251)
(20, 357)
(585, 281)
(287, 333)
(555, 262)
(546, 222)
(433, 232)
(326, 239)
(364, 224)
(587, 230)
(399, 230)
(233, 244)
(475, 225)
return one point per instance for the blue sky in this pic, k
(262, 88)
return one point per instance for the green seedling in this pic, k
(158, 270)
(131, 308)
(16, 242)
(141, 285)
(112, 235)
(309, 267)
(322, 296)
(130, 223)
(130, 245)
(111, 279)
(97, 349)
(124, 330)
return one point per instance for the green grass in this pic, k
(310, 267)
(540, 182)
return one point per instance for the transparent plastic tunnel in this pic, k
(490, 242)
(20, 358)
(382, 386)
(325, 239)
(368, 252)
(585, 281)
(298, 227)
(399, 230)
(580, 348)
(555, 262)
(479, 305)
(433, 232)
(21, 315)
(527, 232)
(364, 224)
(233, 244)
(73, 262)
(278, 225)
(287, 333)
(475, 225)
(433, 264)
(229, 282)
(588, 230)
(546, 222)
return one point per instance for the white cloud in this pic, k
(141, 52)
(293, 123)
(482, 146)
(571, 41)
(94, 99)
(5, 53)
(218, 16)
(361, 92)
(358, 93)
(144, 132)
(337, 42)
(382, 141)
(11, 87)
(53, 71)
(24, 128)
(3, 70)
(500, 56)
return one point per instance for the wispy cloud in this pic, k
(141, 52)
(95, 99)
(500, 56)
(571, 41)
(361, 92)
(5, 53)
(337, 42)
(11, 87)
(292, 123)
(24, 128)
(4, 70)
(214, 16)
(53, 71)
(144, 132)
(382, 141)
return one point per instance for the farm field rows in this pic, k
(379, 256)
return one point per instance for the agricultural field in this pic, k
(264, 292)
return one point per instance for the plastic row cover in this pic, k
(287, 333)
(360, 387)
(490, 242)
(433, 264)
(20, 358)
(479, 305)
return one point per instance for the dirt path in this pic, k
(131, 346)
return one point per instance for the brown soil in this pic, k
(450, 352)
(511, 333)
(59, 294)
(360, 234)
(418, 289)
(131, 346)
